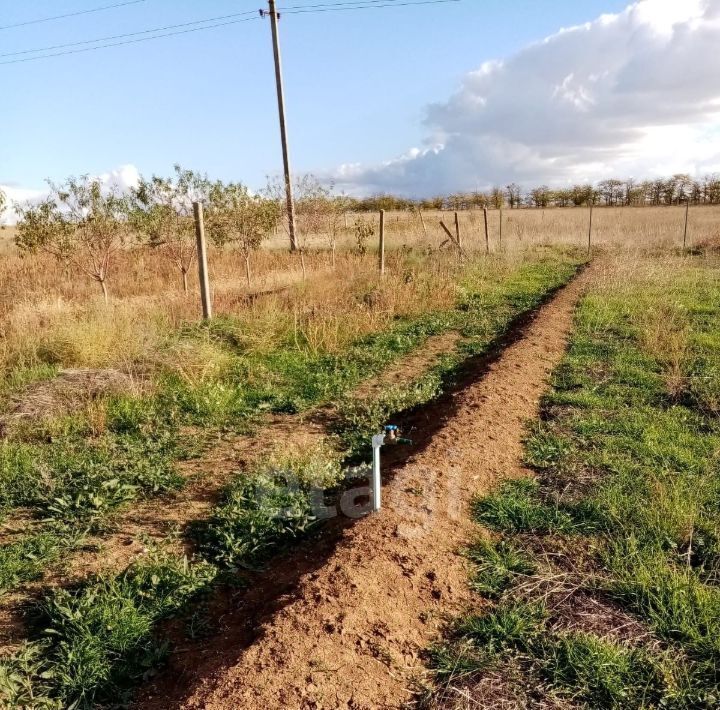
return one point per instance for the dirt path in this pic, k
(155, 519)
(351, 633)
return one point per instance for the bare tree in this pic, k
(337, 207)
(311, 205)
(79, 224)
(162, 212)
(236, 217)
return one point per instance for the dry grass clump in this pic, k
(144, 330)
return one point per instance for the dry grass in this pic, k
(623, 227)
(49, 316)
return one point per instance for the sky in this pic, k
(411, 99)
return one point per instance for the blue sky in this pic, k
(357, 83)
(416, 100)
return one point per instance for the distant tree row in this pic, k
(83, 224)
(674, 190)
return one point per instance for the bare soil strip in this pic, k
(357, 612)
(155, 519)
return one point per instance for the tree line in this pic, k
(674, 190)
(83, 224)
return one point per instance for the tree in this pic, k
(580, 194)
(514, 195)
(237, 217)
(540, 196)
(162, 212)
(311, 198)
(337, 208)
(3, 202)
(79, 224)
(611, 191)
(497, 198)
(563, 197)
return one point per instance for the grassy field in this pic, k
(601, 569)
(107, 407)
(72, 460)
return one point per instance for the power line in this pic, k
(287, 8)
(190, 27)
(128, 34)
(358, 5)
(70, 14)
(130, 41)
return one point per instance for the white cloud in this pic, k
(122, 179)
(634, 93)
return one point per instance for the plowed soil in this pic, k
(350, 631)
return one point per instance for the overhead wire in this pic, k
(127, 34)
(130, 41)
(357, 5)
(78, 47)
(77, 13)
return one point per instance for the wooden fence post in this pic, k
(687, 211)
(202, 261)
(487, 234)
(381, 254)
(589, 246)
(422, 221)
(500, 233)
(457, 231)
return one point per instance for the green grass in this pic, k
(484, 314)
(518, 507)
(496, 565)
(99, 639)
(24, 559)
(627, 458)
(601, 673)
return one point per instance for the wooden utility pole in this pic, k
(487, 233)
(687, 212)
(589, 246)
(202, 261)
(381, 246)
(274, 16)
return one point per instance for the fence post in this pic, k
(202, 261)
(457, 231)
(487, 234)
(589, 246)
(381, 250)
(422, 221)
(687, 210)
(500, 233)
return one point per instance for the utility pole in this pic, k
(274, 16)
